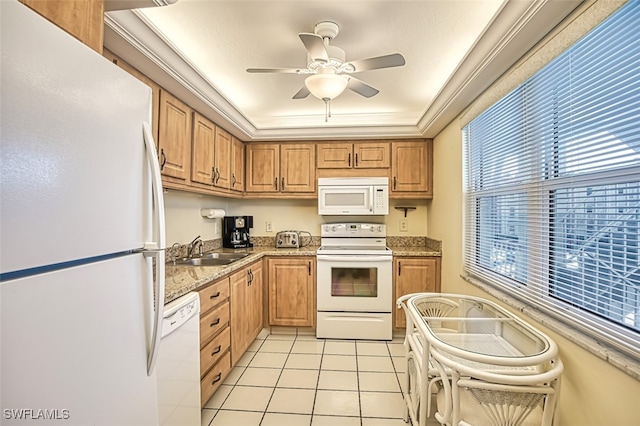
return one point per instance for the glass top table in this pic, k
(479, 332)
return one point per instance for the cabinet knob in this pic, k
(216, 322)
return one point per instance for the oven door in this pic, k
(354, 283)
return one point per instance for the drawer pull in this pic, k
(217, 379)
(213, 296)
(216, 350)
(216, 322)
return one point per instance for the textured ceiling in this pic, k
(219, 40)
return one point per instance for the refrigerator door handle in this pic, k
(155, 248)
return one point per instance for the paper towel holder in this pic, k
(213, 213)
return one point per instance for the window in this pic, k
(552, 186)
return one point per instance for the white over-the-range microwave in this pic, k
(358, 196)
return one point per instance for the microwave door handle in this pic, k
(371, 201)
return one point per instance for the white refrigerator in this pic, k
(81, 223)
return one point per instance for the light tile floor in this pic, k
(289, 380)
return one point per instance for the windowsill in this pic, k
(606, 353)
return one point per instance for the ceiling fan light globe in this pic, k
(326, 86)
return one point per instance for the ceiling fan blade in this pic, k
(361, 88)
(302, 93)
(386, 61)
(276, 70)
(315, 46)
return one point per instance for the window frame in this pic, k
(536, 288)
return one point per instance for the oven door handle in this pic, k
(347, 258)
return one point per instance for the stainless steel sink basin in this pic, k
(212, 259)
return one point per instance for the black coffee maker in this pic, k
(236, 231)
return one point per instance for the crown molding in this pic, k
(515, 30)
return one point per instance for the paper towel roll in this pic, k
(212, 213)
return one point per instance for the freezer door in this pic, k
(75, 343)
(74, 180)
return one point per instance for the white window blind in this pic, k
(552, 186)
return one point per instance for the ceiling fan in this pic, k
(328, 72)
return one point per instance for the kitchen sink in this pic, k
(212, 259)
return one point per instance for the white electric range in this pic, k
(354, 282)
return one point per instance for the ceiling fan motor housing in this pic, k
(327, 29)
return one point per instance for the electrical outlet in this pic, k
(404, 225)
(269, 226)
(215, 228)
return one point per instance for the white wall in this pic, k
(184, 221)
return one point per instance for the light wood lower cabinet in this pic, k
(246, 308)
(215, 341)
(292, 291)
(414, 275)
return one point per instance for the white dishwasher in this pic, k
(178, 367)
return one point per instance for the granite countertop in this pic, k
(181, 279)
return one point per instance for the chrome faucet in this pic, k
(173, 252)
(197, 242)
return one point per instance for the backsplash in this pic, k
(259, 241)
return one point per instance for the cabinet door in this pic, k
(239, 300)
(246, 308)
(374, 155)
(237, 165)
(335, 155)
(292, 291)
(222, 159)
(414, 275)
(263, 168)
(174, 137)
(411, 169)
(254, 324)
(202, 169)
(297, 168)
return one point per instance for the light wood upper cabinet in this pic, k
(280, 168)
(297, 168)
(292, 292)
(411, 169)
(237, 165)
(174, 138)
(246, 308)
(414, 275)
(83, 19)
(359, 155)
(222, 159)
(217, 158)
(202, 167)
(263, 168)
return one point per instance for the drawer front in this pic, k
(214, 295)
(214, 350)
(214, 322)
(214, 378)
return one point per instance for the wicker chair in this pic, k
(416, 389)
(470, 397)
